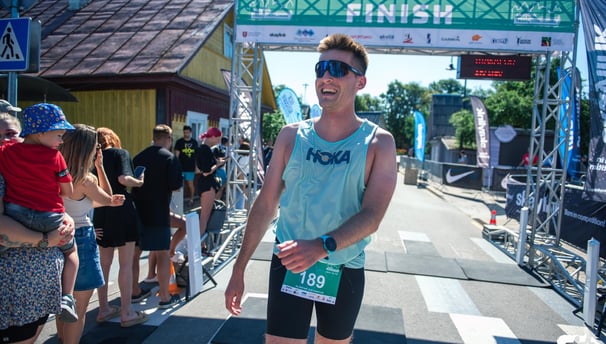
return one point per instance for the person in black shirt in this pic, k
(163, 175)
(185, 150)
(207, 165)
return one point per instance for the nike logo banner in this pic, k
(482, 136)
(464, 176)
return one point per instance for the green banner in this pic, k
(556, 15)
(276, 21)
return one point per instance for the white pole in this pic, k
(591, 279)
(521, 252)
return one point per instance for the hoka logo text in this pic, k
(327, 158)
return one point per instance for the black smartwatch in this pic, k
(329, 243)
(44, 242)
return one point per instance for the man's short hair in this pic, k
(339, 41)
(187, 127)
(162, 131)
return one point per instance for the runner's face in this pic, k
(337, 92)
(187, 134)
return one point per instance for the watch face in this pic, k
(330, 244)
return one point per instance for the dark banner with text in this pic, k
(482, 136)
(582, 220)
(594, 26)
(462, 176)
(515, 197)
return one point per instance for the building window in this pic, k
(228, 38)
(198, 123)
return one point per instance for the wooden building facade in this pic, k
(133, 64)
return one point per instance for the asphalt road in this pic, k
(431, 278)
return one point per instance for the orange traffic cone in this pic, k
(493, 217)
(173, 288)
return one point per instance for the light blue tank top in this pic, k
(324, 186)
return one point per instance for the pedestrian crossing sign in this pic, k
(14, 44)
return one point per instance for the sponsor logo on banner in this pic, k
(482, 137)
(523, 41)
(306, 33)
(463, 176)
(451, 39)
(389, 37)
(500, 41)
(251, 34)
(450, 178)
(277, 34)
(407, 39)
(361, 37)
(545, 41)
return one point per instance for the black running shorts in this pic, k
(289, 316)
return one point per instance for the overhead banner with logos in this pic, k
(496, 25)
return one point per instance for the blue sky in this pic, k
(296, 69)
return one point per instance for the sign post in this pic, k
(14, 48)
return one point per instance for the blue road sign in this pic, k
(14, 44)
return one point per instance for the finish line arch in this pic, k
(543, 29)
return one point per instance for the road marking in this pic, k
(483, 330)
(443, 295)
(492, 251)
(413, 236)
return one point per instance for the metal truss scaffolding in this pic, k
(545, 190)
(244, 124)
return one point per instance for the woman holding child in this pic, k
(31, 267)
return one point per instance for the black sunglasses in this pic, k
(336, 69)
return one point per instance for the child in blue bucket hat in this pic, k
(36, 178)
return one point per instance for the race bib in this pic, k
(318, 283)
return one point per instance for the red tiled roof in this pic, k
(123, 37)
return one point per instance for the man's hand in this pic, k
(299, 255)
(233, 294)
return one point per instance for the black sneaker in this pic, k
(144, 294)
(174, 299)
(68, 309)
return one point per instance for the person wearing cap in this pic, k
(6, 107)
(34, 171)
(207, 165)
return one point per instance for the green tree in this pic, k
(366, 102)
(511, 103)
(400, 101)
(464, 128)
(272, 124)
(447, 86)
